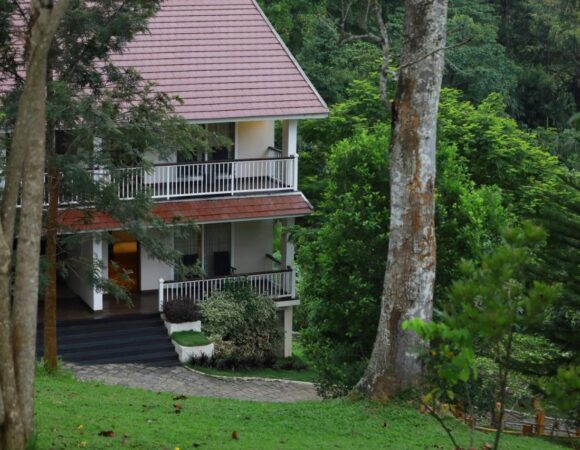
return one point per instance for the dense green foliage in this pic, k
(488, 308)
(526, 50)
(343, 257)
(243, 326)
(494, 169)
(71, 414)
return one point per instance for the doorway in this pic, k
(125, 261)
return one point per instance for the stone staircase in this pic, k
(138, 339)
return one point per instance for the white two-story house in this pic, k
(234, 75)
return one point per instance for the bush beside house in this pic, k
(243, 327)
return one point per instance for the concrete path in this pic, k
(182, 381)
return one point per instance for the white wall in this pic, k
(152, 269)
(254, 138)
(251, 242)
(79, 277)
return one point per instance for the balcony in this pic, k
(203, 179)
(278, 285)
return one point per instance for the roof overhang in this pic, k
(259, 118)
(200, 211)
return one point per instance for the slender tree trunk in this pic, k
(410, 274)
(503, 382)
(49, 320)
(18, 312)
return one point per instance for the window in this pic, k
(222, 150)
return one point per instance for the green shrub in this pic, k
(181, 310)
(243, 326)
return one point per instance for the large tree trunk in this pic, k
(49, 319)
(410, 274)
(18, 311)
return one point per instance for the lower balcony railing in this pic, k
(276, 285)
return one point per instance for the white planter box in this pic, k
(186, 326)
(187, 353)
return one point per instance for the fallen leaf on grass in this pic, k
(384, 424)
(110, 434)
(235, 435)
(82, 444)
(178, 406)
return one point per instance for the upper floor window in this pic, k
(222, 149)
(222, 140)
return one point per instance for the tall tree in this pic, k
(410, 274)
(92, 99)
(19, 281)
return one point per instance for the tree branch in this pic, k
(437, 50)
(439, 419)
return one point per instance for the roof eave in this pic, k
(258, 118)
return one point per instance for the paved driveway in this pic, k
(180, 380)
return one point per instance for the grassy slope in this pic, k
(70, 414)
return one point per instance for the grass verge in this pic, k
(73, 414)
(296, 368)
(190, 338)
(276, 374)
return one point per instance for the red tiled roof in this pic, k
(201, 211)
(224, 61)
(222, 58)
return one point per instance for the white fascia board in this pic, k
(258, 118)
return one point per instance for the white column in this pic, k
(287, 245)
(233, 244)
(288, 331)
(289, 137)
(99, 260)
(160, 294)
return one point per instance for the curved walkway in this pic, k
(182, 381)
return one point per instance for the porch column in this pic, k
(290, 148)
(289, 137)
(288, 313)
(101, 269)
(287, 249)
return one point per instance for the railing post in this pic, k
(233, 177)
(295, 181)
(161, 294)
(167, 182)
(293, 283)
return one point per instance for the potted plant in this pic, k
(181, 314)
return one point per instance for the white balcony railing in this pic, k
(276, 285)
(174, 181)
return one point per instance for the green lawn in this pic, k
(71, 414)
